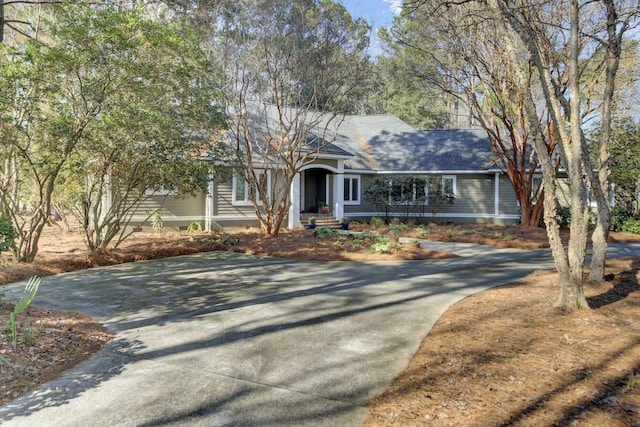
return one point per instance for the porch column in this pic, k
(294, 208)
(208, 209)
(338, 196)
(496, 196)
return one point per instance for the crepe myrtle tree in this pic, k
(585, 33)
(293, 69)
(455, 51)
(564, 58)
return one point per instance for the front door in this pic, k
(315, 190)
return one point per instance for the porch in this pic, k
(318, 191)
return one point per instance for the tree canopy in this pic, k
(292, 69)
(107, 103)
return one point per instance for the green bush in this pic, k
(563, 215)
(230, 240)
(8, 234)
(376, 222)
(398, 229)
(382, 246)
(620, 215)
(194, 227)
(631, 226)
(324, 232)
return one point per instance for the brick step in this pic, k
(321, 221)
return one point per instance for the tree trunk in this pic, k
(1, 21)
(571, 286)
(601, 233)
(599, 253)
(570, 264)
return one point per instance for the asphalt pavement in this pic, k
(226, 339)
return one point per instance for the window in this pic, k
(440, 189)
(351, 190)
(536, 188)
(241, 194)
(408, 190)
(449, 185)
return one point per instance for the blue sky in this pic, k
(378, 13)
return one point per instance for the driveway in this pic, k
(223, 339)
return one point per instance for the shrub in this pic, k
(194, 227)
(324, 232)
(563, 215)
(620, 215)
(631, 226)
(156, 221)
(230, 240)
(382, 246)
(398, 229)
(8, 234)
(376, 222)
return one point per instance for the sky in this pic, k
(378, 13)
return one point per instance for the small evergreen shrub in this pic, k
(620, 215)
(8, 234)
(376, 222)
(563, 215)
(631, 226)
(194, 227)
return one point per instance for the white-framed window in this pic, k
(351, 190)
(536, 187)
(240, 188)
(447, 186)
(408, 190)
(449, 183)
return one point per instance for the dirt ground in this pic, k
(502, 357)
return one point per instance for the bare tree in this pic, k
(611, 42)
(18, 22)
(293, 68)
(568, 112)
(565, 47)
(465, 59)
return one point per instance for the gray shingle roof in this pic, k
(386, 143)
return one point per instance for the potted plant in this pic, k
(312, 223)
(324, 209)
(344, 222)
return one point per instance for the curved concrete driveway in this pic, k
(222, 339)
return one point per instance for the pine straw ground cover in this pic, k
(502, 357)
(505, 357)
